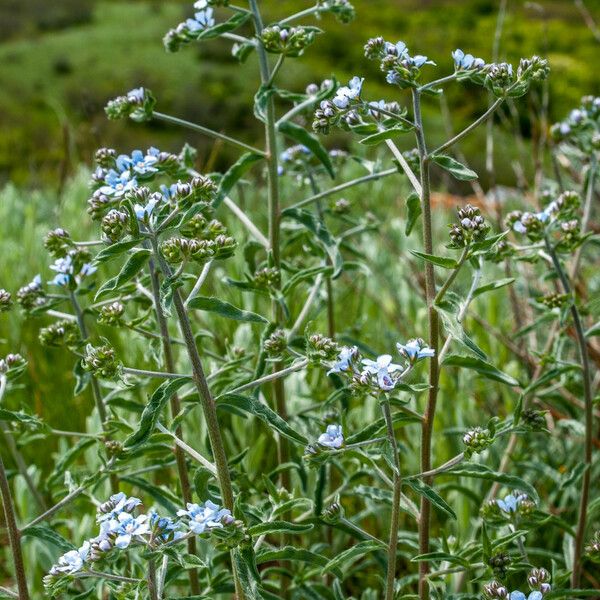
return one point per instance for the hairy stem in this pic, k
(14, 535)
(589, 417)
(151, 579)
(433, 326)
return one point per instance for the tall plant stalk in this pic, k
(433, 342)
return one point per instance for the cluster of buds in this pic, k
(268, 277)
(178, 249)
(61, 333)
(499, 563)
(58, 242)
(99, 204)
(289, 41)
(320, 348)
(102, 362)
(12, 365)
(112, 314)
(113, 448)
(581, 128)
(333, 513)
(197, 189)
(477, 440)
(276, 344)
(570, 235)
(114, 225)
(106, 158)
(32, 295)
(191, 29)
(539, 580)
(471, 227)
(341, 9)
(534, 419)
(138, 104)
(514, 506)
(502, 80)
(554, 300)
(5, 300)
(495, 589)
(592, 549)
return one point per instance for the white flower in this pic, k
(71, 561)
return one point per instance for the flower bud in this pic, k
(276, 344)
(289, 41)
(269, 277)
(341, 206)
(312, 89)
(477, 440)
(224, 246)
(495, 590)
(106, 158)
(31, 295)
(138, 104)
(321, 348)
(102, 362)
(5, 300)
(538, 579)
(114, 225)
(534, 419)
(61, 333)
(592, 549)
(58, 242)
(333, 513)
(112, 314)
(98, 204)
(374, 48)
(500, 563)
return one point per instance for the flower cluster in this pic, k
(32, 295)
(12, 365)
(477, 440)
(138, 104)
(380, 374)
(5, 300)
(72, 268)
(112, 314)
(120, 528)
(61, 333)
(191, 29)
(289, 41)
(471, 227)
(512, 507)
(332, 438)
(102, 362)
(538, 581)
(581, 128)
(342, 9)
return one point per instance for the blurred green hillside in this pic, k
(61, 61)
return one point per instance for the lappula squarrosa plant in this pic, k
(162, 234)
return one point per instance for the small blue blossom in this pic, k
(143, 212)
(345, 94)
(142, 164)
(201, 518)
(202, 20)
(118, 184)
(415, 349)
(333, 437)
(510, 504)
(127, 527)
(65, 271)
(344, 361)
(115, 505)
(72, 561)
(382, 368)
(136, 95)
(466, 61)
(516, 595)
(167, 529)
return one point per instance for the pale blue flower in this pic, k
(202, 20)
(127, 527)
(516, 595)
(466, 61)
(510, 504)
(166, 527)
(119, 503)
(136, 95)
(382, 368)
(118, 184)
(345, 94)
(519, 227)
(139, 162)
(415, 349)
(201, 518)
(344, 361)
(333, 437)
(65, 271)
(143, 212)
(72, 561)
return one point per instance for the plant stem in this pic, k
(152, 586)
(433, 326)
(205, 130)
(446, 286)
(156, 374)
(182, 470)
(589, 416)
(14, 535)
(397, 493)
(271, 377)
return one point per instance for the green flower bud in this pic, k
(276, 344)
(195, 227)
(495, 590)
(32, 295)
(102, 362)
(61, 333)
(58, 242)
(499, 563)
(269, 277)
(106, 158)
(341, 206)
(592, 549)
(320, 348)
(99, 204)
(112, 314)
(477, 440)
(289, 41)
(333, 513)
(114, 225)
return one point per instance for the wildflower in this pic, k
(466, 62)
(495, 590)
(516, 595)
(142, 164)
(102, 362)
(115, 505)
(333, 437)
(144, 211)
(69, 269)
(276, 344)
(538, 579)
(333, 513)
(415, 350)
(58, 242)
(117, 184)
(203, 518)
(289, 41)
(382, 368)
(477, 440)
(111, 314)
(106, 157)
(321, 348)
(345, 359)
(72, 561)
(32, 295)
(346, 94)
(59, 333)
(510, 504)
(127, 527)
(164, 528)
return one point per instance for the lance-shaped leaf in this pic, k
(413, 208)
(237, 20)
(482, 367)
(234, 174)
(428, 492)
(224, 309)
(386, 134)
(135, 263)
(115, 250)
(439, 261)
(49, 536)
(279, 527)
(352, 554)
(455, 168)
(300, 135)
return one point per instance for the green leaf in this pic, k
(254, 406)
(441, 556)
(381, 136)
(439, 261)
(481, 366)
(494, 285)
(135, 263)
(479, 471)
(245, 563)
(485, 543)
(351, 554)
(305, 274)
(457, 169)
(115, 250)
(295, 554)
(428, 492)
(593, 330)
(20, 417)
(237, 20)
(153, 409)
(234, 174)
(41, 532)
(279, 527)
(413, 207)
(224, 309)
(300, 135)
(69, 457)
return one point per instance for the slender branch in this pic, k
(8, 592)
(437, 82)
(14, 535)
(312, 296)
(461, 261)
(243, 217)
(193, 453)
(345, 186)
(266, 378)
(199, 282)
(206, 131)
(162, 576)
(156, 374)
(405, 166)
(441, 469)
(109, 576)
(589, 417)
(301, 14)
(310, 101)
(151, 579)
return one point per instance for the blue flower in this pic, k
(415, 349)
(136, 95)
(333, 437)
(466, 61)
(118, 184)
(115, 505)
(510, 503)
(166, 528)
(72, 561)
(344, 361)
(143, 212)
(65, 271)
(382, 368)
(204, 517)
(516, 595)
(202, 20)
(345, 94)
(127, 527)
